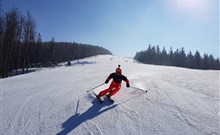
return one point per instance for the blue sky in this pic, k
(127, 26)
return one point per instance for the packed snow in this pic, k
(55, 101)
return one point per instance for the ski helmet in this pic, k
(118, 70)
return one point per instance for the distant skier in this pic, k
(68, 63)
(115, 85)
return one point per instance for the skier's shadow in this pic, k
(77, 119)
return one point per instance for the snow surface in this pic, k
(55, 101)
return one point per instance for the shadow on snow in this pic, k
(77, 119)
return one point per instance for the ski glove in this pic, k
(128, 85)
(106, 81)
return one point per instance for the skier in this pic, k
(115, 84)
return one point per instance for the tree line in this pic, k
(179, 58)
(21, 47)
(51, 53)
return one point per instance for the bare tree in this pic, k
(9, 40)
(1, 41)
(28, 39)
(17, 61)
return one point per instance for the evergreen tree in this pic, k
(39, 48)
(217, 64)
(197, 60)
(51, 51)
(164, 57)
(211, 62)
(205, 62)
(177, 60)
(182, 56)
(190, 60)
(171, 57)
(158, 58)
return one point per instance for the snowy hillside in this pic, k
(54, 101)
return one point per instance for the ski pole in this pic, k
(138, 89)
(95, 87)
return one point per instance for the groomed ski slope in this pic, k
(54, 101)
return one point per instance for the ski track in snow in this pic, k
(20, 123)
(98, 128)
(177, 112)
(60, 104)
(17, 116)
(135, 118)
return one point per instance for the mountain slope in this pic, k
(55, 101)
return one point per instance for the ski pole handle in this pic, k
(95, 87)
(138, 89)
